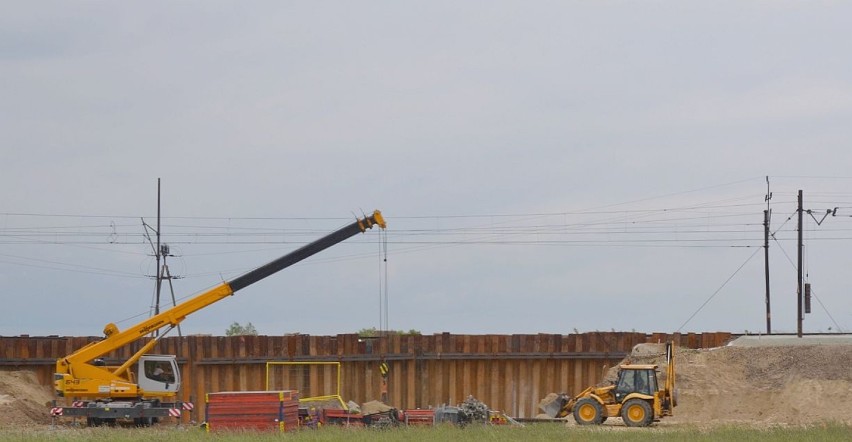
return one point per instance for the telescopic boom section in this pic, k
(307, 251)
(173, 316)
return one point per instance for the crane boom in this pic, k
(76, 375)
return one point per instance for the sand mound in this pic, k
(787, 385)
(791, 385)
(23, 401)
(767, 385)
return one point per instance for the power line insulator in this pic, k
(807, 297)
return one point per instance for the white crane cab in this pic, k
(158, 374)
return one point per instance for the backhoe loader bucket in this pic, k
(552, 404)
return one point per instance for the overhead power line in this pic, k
(717, 290)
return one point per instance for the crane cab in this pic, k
(158, 375)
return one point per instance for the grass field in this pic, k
(543, 432)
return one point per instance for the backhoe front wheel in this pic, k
(637, 413)
(588, 411)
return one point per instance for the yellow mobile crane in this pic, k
(104, 393)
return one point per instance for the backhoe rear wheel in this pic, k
(637, 413)
(588, 411)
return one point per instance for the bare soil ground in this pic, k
(23, 401)
(792, 385)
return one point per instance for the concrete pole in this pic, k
(799, 278)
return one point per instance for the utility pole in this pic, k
(159, 272)
(766, 265)
(161, 251)
(766, 215)
(799, 278)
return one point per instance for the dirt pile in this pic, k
(767, 385)
(23, 401)
(791, 385)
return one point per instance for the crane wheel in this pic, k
(588, 411)
(143, 421)
(637, 413)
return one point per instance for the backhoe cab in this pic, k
(635, 397)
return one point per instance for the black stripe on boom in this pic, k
(297, 255)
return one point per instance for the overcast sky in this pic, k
(543, 166)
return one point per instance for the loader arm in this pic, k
(669, 391)
(77, 366)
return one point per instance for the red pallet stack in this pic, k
(419, 417)
(330, 416)
(253, 410)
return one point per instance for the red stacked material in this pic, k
(253, 410)
(419, 417)
(340, 417)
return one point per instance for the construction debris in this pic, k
(374, 407)
(353, 407)
(473, 411)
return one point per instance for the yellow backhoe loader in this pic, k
(635, 396)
